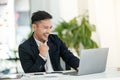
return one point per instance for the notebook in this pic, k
(10, 76)
(92, 61)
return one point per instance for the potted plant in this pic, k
(75, 33)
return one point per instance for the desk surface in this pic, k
(109, 74)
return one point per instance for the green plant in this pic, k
(74, 34)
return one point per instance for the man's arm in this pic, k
(68, 56)
(28, 63)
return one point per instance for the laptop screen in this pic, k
(92, 61)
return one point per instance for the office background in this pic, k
(15, 25)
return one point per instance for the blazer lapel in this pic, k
(52, 51)
(34, 46)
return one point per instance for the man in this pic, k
(42, 51)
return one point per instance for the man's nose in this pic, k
(49, 30)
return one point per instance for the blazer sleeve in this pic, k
(68, 56)
(28, 63)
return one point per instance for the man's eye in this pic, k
(51, 27)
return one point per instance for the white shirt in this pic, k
(48, 66)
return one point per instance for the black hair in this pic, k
(40, 15)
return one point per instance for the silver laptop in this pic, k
(92, 61)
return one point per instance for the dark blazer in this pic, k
(32, 62)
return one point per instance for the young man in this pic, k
(42, 51)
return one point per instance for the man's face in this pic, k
(42, 29)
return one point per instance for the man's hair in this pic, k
(40, 15)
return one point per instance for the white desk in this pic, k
(109, 74)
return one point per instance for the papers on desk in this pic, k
(37, 73)
(53, 75)
(54, 72)
(62, 72)
(36, 76)
(10, 76)
(49, 74)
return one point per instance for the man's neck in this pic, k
(35, 37)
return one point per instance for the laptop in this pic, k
(92, 61)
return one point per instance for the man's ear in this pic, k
(33, 27)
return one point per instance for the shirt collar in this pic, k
(38, 42)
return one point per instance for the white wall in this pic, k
(68, 9)
(39, 5)
(22, 5)
(11, 24)
(117, 17)
(51, 6)
(104, 13)
(82, 6)
(7, 29)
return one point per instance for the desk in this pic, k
(109, 74)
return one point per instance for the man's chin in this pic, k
(45, 39)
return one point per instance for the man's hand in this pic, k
(77, 69)
(43, 49)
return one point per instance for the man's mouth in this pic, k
(46, 35)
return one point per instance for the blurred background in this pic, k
(15, 25)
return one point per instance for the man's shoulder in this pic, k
(23, 44)
(53, 37)
(26, 42)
